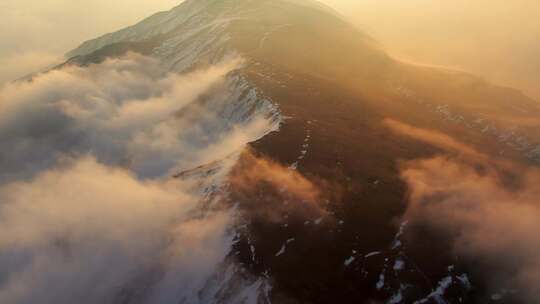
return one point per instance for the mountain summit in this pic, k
(190, 15)
(206, 30)
(322, 198)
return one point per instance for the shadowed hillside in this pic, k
(340, 237)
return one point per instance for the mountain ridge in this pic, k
(166, 21)
(333, 88)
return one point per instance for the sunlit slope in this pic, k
(334, 87)
(309, 38)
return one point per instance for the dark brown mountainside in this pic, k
(323, 198)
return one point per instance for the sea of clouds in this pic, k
(89, 212)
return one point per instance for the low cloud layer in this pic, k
(434, 138)
(271, 192)
(490, 220)
(82, 233)
(88, 211)
(119, 111)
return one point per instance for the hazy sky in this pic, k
(35, 33)
(497, 39)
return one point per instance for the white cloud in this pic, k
(88, 213)
(120, 110)
(81, 233)
(487, 207)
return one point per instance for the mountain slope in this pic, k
(310, 40)
(334, 87)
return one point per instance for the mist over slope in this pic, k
(493, 39)
(89, 210)
(281, 174)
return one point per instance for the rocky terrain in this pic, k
(318, 196)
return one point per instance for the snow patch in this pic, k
(349, 261)
(399, 265)
(437, 294)
(372, 254)
(284, 247)
(380, 283)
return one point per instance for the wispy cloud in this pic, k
(434, 138)
(270, 190)
(470, 199)
(120, 111)
(83, 232)
(88, 213)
